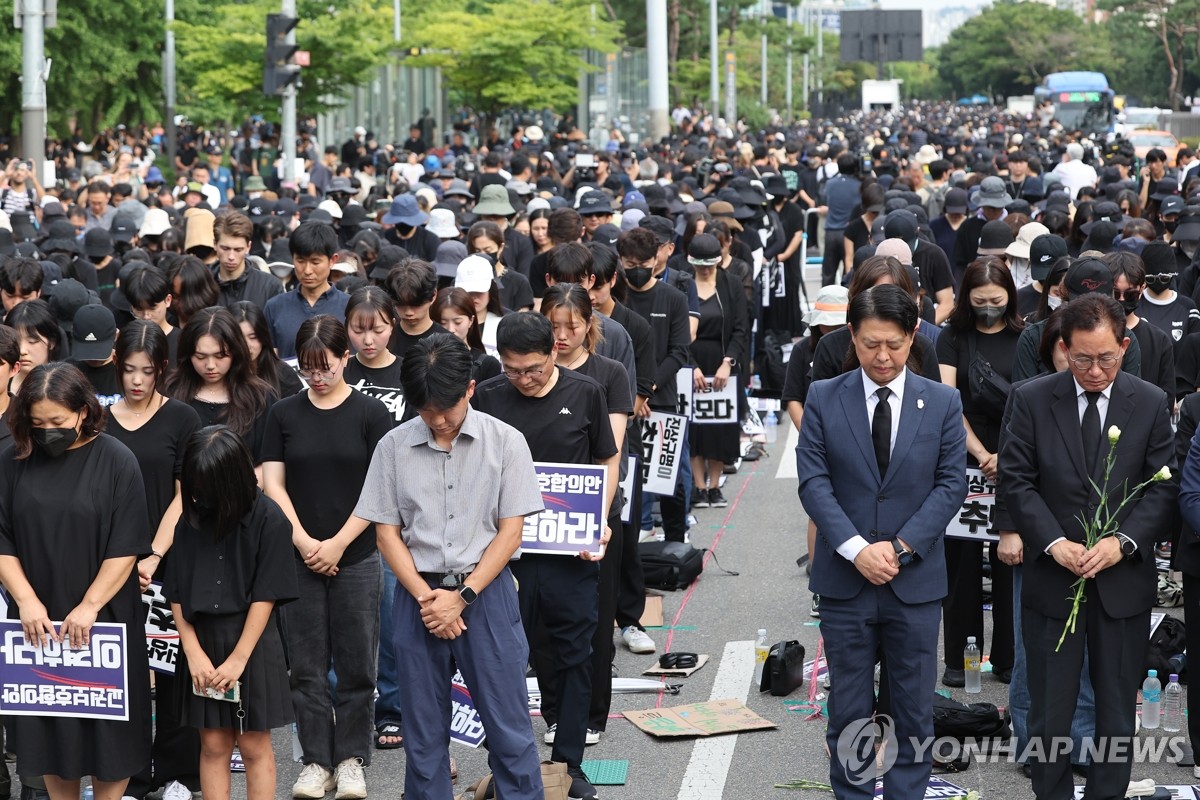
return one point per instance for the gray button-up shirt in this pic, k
(448, 503)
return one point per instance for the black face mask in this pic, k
(54, 441)
(1158, 284)
(638, 276)
(989, 315)
(1170, 225)
(404, 230)
(1130, 306)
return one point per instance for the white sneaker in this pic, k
(313, 783)
(174, 790)
(351, 782)
(592, 737)
(1196, 772)
(548, 738)
(637, 640)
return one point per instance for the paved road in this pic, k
(759, 536)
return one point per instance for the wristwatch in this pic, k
(1128, 545)
(732, 361)
(468, 594)
(904, 556)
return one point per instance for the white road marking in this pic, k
(787, 456)
(711, 757)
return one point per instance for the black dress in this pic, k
(215, 581)
(62, 517)
(718, 442)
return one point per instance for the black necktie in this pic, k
(1091, 432)
(881, 430)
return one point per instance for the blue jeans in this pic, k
(1083, 726)
(387, 705)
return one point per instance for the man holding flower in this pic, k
(1082, 474)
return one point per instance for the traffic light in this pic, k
(278, 71)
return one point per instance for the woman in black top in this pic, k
(41, 340)
(315, 457)
(375, 369)
(720, 349)
(282, 379)
(155, 429)
(230, 569)
(215, 376)
(454, 310)
(984, 326)
(576, 335)
(72, 524)
(486, 238)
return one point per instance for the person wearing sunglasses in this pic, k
(1158, 352)
(1161, 305)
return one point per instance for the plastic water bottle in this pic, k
(1151, 700)
(761, 649)
(971, 667)
(771, 427)
(1173, 706)
(89, 793)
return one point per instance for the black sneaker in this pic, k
(954, 678)
(700, 498)
(581, 787)
(716, 499)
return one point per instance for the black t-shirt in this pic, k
(1029, 299)
(483, 367)
(537, 273)
(104, 380)
(933, 268)
(613, 378)
(1158, 359)
(1177, 319)
(792, 222)
(569, 425)
(643, 345)
(158, 446)
(401, 341)
(106, 280)
(798, 377)
(224, 575)
(666, 309)
(857, 235)
(423, 244)
(515, 291)
(210, 414)
(382, 383)
(173, 348)
(325, 453)
(999, 350)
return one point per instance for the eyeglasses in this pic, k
(1162, 276)
(517, 374)
(1085, 363)
(318, 374)
(1127, 294)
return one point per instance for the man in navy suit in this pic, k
(1052, 458)
(882, 468)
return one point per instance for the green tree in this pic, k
(510, 53)
(105, 66)
(221, 49)
(1009, 47)
(1172, 26)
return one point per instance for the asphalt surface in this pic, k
(760, 536)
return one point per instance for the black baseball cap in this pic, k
(95, 330)
(1044, 251)
(1088, 275)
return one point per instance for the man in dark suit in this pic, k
(881, 507)
(1054, 451)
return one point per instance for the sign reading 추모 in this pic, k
(57, 681)
(573, 520)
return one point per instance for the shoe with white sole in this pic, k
(351, 782)
(174, 790)
(314, 782)
(637, 640)
(548, 737)
(592, 737)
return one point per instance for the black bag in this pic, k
(989, 389)
(1168, 642)
(978, 721)
(670, 565)
(784, 670)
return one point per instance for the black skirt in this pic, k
(266, 697)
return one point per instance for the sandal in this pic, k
(388, 730)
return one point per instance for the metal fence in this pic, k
(392, 101)
(616, 92)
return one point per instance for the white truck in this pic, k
(881, 95)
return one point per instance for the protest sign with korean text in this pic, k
(573, 520)
(662, 449)
(716, 406)
(55, 680)
(976, 517)
(465, 725)
(162, 639)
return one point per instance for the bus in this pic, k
(1082, 100)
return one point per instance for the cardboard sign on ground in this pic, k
(699, 719)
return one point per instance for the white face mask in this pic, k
(1053, 301)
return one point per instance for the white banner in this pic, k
(662, 446)
(976, 518)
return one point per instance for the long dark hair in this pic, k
(889, 303)
(460, 301)
(267, 366)
(217, 482)
(58, 382)
(247, 392)
(985, 271)
(37, 318)
(197, 288)
(144, 336)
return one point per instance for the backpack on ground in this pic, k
(670, 565)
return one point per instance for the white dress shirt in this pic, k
(850, 548)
